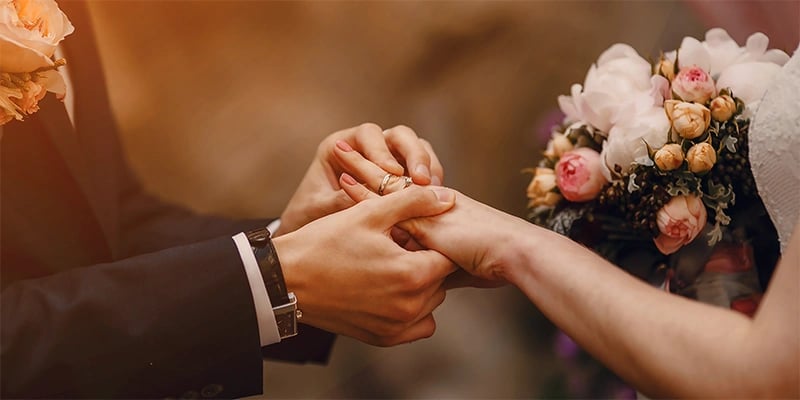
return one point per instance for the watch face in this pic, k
(258, 236)
(287, 324)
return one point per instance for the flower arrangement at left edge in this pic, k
(655, 155)
(30, 31)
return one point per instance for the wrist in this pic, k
(521, 255)
(290, 251)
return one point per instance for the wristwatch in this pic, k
(284, 304)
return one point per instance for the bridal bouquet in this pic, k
(30, 30)
(650, 167)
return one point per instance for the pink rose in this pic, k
(579, 175)
(694, 84)
(679, 221)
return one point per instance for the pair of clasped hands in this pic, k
(375, 267)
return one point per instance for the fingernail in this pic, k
(435, 181)
(444, 195)
(343, 146)
(349, 179)
(423, 170)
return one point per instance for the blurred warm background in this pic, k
(222, 104)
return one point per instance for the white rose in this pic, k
(618, 79)
(719, 51)
(749, 81)
(626, 141)
(30, 30)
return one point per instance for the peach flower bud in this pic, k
(669, 157)
(679, 222)
(690, 120)
(722, 108)
(701, 158)
(666, 68)
(694, 84)
(32, 92)
(540, 190)
(557, 146)
(579, 174)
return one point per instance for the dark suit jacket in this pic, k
(106, 291)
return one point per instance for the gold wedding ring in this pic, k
(384, 182)
(407, 181)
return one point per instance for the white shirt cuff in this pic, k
(267, 327)
(273, 226)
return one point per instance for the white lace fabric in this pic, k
(775, 149)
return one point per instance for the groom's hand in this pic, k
(397, 150)
(351, 278)
(472, 234)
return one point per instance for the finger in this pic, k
(413, 245)
(413, 202)
(354, 190)
(436, 299)
(424, 328)
(359, 167)
(401, 237)
(431, 266)
(437, 171)
(405, 142)
(369, 140)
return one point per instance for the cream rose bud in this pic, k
(689, 120)
(694, 84)
(540, 190)
(666, 68)
(669, 157)
(579, 175)
(679, 222)
(701, 158)
(722, 108)
(558, 145)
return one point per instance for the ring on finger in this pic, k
(383, 184)
(408, 181)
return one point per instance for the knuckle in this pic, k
(408, 311)
(400, 130)
(412, 279)
(369, 128)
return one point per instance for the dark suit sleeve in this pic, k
(149, 224)
(156, 325)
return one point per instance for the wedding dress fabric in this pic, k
(775, 149)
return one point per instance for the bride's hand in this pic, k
(397, 150)
(480, 239)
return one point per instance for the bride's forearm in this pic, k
(663, 344)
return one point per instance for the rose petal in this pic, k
(748, 81)
(24, 59)
(692, 52)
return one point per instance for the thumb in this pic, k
(412, 202)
